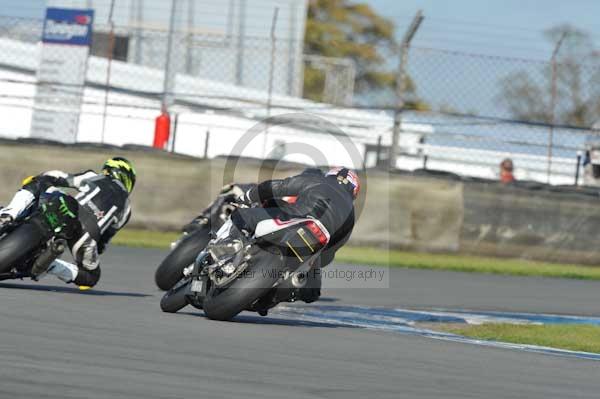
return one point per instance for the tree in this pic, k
(577, 84)
(344, 29)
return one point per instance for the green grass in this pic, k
(465, 263)
(582, 337)
(382, 257)
(145, 238)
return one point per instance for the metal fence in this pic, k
(486, 108)
(458, 112)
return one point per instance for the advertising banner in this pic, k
(66, 40)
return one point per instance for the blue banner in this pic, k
(68, 26)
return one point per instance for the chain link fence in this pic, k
(484, 109)
(462, 113)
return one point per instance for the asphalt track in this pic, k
(113, 342)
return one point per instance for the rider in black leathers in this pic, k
(329, 198)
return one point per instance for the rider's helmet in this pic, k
(122, 170)
(348, 178)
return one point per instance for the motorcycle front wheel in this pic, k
(171, 269)
(19, 244)
(175, 299)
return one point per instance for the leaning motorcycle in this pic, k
(237, 272)
(196, 236)
(36, 239)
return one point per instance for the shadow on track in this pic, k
(280, 321)
(274, 320)
(69, 290)
(329, 299)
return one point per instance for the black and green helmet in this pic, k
(120, 169)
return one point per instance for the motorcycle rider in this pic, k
(103, 209)
(233, 190)
(328, 198)
(228, 191)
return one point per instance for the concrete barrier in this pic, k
(513, 221)
(172, 189)
(399, 211)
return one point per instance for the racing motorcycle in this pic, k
(35, 240)
(238, 272)
(196, 236)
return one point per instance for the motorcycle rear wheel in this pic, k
(260, 277)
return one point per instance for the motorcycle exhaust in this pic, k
(299, 279)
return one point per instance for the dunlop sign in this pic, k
(61, 73)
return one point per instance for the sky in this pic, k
(506, 27)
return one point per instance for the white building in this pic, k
(221, 40)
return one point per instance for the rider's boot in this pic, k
(265, 303)
(64, 271)
(311, 291)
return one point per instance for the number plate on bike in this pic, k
(196, 286)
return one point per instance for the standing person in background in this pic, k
(506, 171)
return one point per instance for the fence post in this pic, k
(109, 55)
(206, 141)
(271, 70)
(189, 56)
(378, 153)
(579, 156)
(239, 64)
(553, 105)
(291, 50)
(168, 83)
(139, 17)
(401, 86)
(174, 132)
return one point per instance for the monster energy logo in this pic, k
(64, 209)
(54, 218)
(51, 217)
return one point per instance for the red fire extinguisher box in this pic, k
(162, 130)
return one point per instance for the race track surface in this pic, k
(114, 342)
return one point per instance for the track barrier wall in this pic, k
(416, 211)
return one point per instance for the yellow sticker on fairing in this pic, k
(27, 180)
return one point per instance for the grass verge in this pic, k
(465, 263)
(580, 337)
(145, 238)
(381, 257)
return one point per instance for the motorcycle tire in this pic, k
(171, 269)
(175, 299)
(262, 274)
(20, 243)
